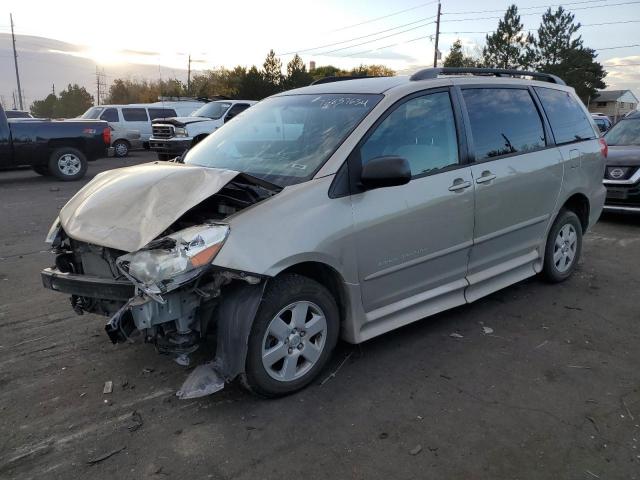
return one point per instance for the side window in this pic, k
(161, 113)
(236, 109)
(422, 130)
(503, 121)
(110, 115)
(135, 114)
(567, 118)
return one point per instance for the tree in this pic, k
(297, 75)
(272, 72)
(44, 108)
(254, 85)
(72, 102)
(458, 58)
(372, 71)
(509, 46)
(560, 51)
(326, 71)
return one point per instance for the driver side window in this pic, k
(421, 130)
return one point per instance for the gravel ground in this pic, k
(550, 390)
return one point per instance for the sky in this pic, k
(145, 38)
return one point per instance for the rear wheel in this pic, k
(41, 170)
(68, 164)
(121, 148)
(564, 246)
(292, 337)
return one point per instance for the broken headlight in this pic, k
(169, 262)
(54, 231)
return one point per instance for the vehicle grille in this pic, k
(162, 131)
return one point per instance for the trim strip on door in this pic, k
(416, 261)
(512, 228)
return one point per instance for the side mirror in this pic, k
(387, 171)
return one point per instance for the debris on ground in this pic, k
(135, 421)
(542, 344)
(383, 435)
(487, 330)
(108, 387)
(415, 450)
(104, 456)
(147, 371)
(455, 335)
(334, 373)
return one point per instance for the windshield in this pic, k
(212, 110)
(92, 113)
(284, 140)
(625, 132)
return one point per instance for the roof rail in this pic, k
(320, 81)
(431, 73)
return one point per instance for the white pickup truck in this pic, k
(171, 137)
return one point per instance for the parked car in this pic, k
(622, 174)
(18, 114)
(138, 117)
(173, 136)
(124, 140)
(602, 121)
(396, 198)
(53, 147)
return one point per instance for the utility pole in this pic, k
(435, 55)
(15, 107)
(101, 85)
(15, 60)
(53, 89)
(189, 77)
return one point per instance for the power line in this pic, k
(536, 13)
(525, 8)
(361, 37)
(620, 46)
(581, 25)
(387, 46)
(624, 65)
(374, 40)
(386, 16)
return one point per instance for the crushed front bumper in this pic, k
(87, 286)
(170, 146)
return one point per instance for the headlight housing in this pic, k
(54, 231)
(169, 262)
(180, 132)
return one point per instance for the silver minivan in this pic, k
(395, 199)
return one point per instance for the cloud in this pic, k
(623, 73)
(140, 52)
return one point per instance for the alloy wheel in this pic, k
(69, 164)
(565, 247)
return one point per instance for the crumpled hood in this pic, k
(128, 207)
(182, 121)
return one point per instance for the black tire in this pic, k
(57, 168)
(281, 292)
(121, 148)
(41, 170)
(551, 271)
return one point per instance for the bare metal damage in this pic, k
(134, 209)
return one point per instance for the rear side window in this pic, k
(161, 113)
(568, 121)
(110, 115)
(503, 121)
(134, 114)
(421, 130)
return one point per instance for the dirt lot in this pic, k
(553, 392)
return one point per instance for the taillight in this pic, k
(604, 148)
(106, 136)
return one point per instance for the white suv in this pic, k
(171, 137)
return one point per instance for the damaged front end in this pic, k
(168, 292)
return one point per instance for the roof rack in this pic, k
(320, 81)
(431, 73)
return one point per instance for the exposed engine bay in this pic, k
(168, 293)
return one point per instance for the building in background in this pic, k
(613, 103)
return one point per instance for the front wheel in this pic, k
(68, 164)
(564, 246)
(292, 337)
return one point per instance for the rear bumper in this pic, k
(87, 286)
(170, 146)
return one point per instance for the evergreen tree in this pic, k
(254, 85)
(457, 57)
(44, 108)
(73, 101)
(561, 51)
(297, 75)
(272, 72)
(509, 46)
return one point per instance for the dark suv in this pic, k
(622, 175)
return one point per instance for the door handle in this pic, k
(459, 184)
(486, 176)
